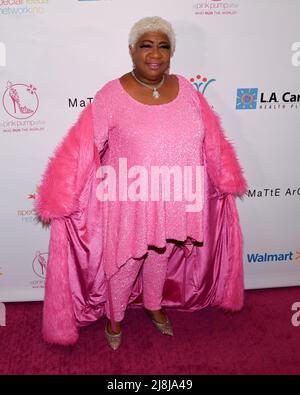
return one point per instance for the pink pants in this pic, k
(154, 269)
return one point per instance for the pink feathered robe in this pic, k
(76, 290)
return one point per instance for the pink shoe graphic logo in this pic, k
(39, 264)
(20, 100)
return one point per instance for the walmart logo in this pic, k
(246, 98)
(273, 258)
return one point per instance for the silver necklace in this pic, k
(155, 92)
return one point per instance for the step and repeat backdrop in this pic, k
(243, 55)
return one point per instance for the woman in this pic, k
(106, 252)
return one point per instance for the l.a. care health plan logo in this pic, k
(246, 98)
(252, 99)
(39, 264)
(20, 101)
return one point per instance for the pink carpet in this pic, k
(259, 340)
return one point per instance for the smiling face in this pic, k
(151, 56)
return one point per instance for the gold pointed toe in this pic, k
(113, 339)
(165, 328)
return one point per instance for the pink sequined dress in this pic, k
(91, 239)
(143, 135)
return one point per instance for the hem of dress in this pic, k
(186, 244)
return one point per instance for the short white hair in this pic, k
(152, 24)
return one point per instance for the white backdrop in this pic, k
(243, 55)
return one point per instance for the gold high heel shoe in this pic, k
(113, 339)
(165, 328)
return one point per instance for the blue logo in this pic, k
(246, 98)
(273, 258)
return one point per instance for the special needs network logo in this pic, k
(251, 99)
(267, 258)
(33, 194)
(22, 7)
(28, 215)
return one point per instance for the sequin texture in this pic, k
(168, 134)
(154, 270)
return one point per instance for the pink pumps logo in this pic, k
(39, 264)
(216, 8)
(20, 100)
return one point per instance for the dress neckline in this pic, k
(153, 105)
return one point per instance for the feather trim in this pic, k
(222, 161)
(64, 176)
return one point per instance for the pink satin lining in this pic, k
(196, 275)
